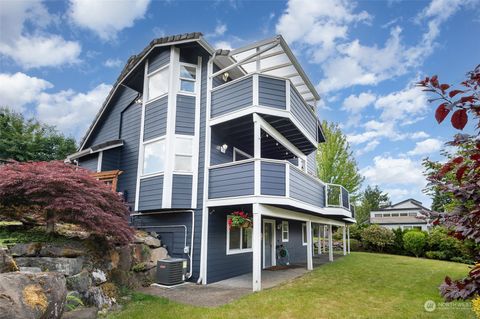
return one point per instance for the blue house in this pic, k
(198, 134)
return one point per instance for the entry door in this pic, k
(268, 243)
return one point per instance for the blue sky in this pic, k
(59, 59)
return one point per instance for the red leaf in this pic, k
(454, 92)
(441, 113)
(460, 173)
(444, 87)
(445, 169)
(465, 99)
(459, 119)
(458, 160)
(475, 157)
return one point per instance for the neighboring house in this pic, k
(406, 214)
(198, 134)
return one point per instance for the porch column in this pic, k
(309, 246)
(325, 238)
(348, 239)
(344, 240)
(257, 248)
(257, 154)
(319, 248)
(330, 243)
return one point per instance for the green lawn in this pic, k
(361, 285)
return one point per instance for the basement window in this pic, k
(239, 240)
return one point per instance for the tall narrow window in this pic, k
(184, 154)
(158, 83)
(285, 231)
(188, 77)
(154, 157)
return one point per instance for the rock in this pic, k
(7, 264)
(67, 266)
(25, 250)
(31, 270)
(96, 297)
(141, 253)
(80, 282)
(152, 241)
(157, 254)
(149, 240)
(23, 295)
(99, 277)
(81, 313)
(124, 258)
(55, 250)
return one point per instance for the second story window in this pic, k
(158, 83)
(183, 154)
(188, 76)
(154, 157)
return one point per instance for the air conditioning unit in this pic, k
(171, 271)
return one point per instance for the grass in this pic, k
(361, 285)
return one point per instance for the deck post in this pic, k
(319, 248)
(325, 238)
(257, 248)
(309, 246)
(348, 239)
(330, 243)
(344, 240)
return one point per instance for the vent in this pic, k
(171, 271)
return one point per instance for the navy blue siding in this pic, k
(151, 190)
(273, 179)
(130, 134)
(216, 156)
(158, 58)
(306, 189)
(231, 181)
(182, 191)
(272, 92)
(232, 97)
(111, 159)
(89, 162)
(155, 118)
(312, 163)
(296, 250)
(185, 117)
(216, 81)
(108, 127)
(301, 112)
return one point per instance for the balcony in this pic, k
(275, 182)
(273, 97)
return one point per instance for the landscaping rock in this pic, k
(141, 253)
(26, 296)
(157, 254)
(52, 250)
(81, 313)
(99, 277)
(152, 241)
(7, 264)
(25, 250)
(80, 282)
(149, 240)
(96, 297)
(124, 258)
(31, 270)
(67, 266)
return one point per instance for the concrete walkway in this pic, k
(226, 291)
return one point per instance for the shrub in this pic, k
(355, 245)
(414, 242)
(397, 246)
(377, 238)
(356, 231)
(436, 255)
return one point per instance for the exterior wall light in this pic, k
(223, 148)
(225, 76)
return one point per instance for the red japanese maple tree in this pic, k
(464, 221)
(58, 192)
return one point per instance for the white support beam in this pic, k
(344, 229)
(309, 246)
(319, 238)
(257, 154)
(257, 248)
(348, 239)
(330, 243)
(325, 239)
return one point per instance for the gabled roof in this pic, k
(413, 201)
(136, 59)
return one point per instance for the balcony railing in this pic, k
(278, 178)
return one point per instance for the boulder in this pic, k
(80, 282)
(149, 240)
(96, 297)
(67, 266)
(25, 250)
(157, 254)
(152, 241)
(32, 270)
(7, 264)
(124, 260)
(141, 253)
(81, 313)
(24, 295)
(98, 276)
(58, 250)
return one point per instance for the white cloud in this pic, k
(36, 49)
(398, 194)
(405, 104)
(19, 89)
(223, 45)
(107, 18)
(356, 103)
(113, 63)
(372, 145)
(70, 111)
(389, 171)
(426, 147)
(220, 29)
(418, 135)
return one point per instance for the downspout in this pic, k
(190, 255)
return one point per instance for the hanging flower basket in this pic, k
(239, 219)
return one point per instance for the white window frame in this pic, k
(147, 89)
(180, 78)
(239, 151)
(285, 230)
(145, 143)
(236, 250)
(304, 233)
(180, 153)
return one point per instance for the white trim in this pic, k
(344, 238)
(255, 89)
(348, 239)
(151, 175)
(330, 243)
(239, 151)
(140, 142)
(195, 81)
(257, 153)
(309, 245)
(235, 251)
(157, 70)
(287, 180)
(304, 233)
(276, 212)
(257, 248)
(273, 241)
(99, 161)
(285, 223)
(170, 133)
(288, 98)
(196, 143)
